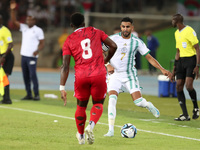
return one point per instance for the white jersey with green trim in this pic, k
(124, 57)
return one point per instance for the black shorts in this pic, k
(9, 63)
(185, 67)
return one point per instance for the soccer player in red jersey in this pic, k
(85, 45)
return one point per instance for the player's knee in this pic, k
(141, 102)
(189, 87)
(179, 87)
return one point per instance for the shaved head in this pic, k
(178, 18)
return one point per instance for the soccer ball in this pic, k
(128, 131)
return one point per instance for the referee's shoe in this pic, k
(182, 118)
(195, 113)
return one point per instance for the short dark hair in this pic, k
(77, 19)
(178, 17)
(127, 19)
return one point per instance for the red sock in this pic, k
(96, 112)
(80, 117)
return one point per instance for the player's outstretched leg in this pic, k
(141, 102)
(153, 110)
(111, 114)
(81, 138)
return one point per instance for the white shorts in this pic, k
(116, 80)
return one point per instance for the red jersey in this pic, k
(84, 44)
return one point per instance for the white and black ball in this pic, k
(128, 130)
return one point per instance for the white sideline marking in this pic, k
(43, 113)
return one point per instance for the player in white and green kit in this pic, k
(125, 73)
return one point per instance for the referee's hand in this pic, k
(196, 72)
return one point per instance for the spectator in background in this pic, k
(4, 11)
(137, 56)
(138, 62)
(6, 58)
(61, 41)
(32, 44)
(152, 44)
(116, 30)
(69, 10)
(22, 8)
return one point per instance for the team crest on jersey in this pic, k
(124, 50)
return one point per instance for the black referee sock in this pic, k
(193, 96)
(181, 99)
(6, 96)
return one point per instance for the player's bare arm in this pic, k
(112, 48)
(156, 64)
(13, 6)
(196, 69)
(110, 69)
(63, 76)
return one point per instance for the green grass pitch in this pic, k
(30, 125)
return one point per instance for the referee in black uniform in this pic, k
(186, 66)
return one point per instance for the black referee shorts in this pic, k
(185, 67)
(9, 63)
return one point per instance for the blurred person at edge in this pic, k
(6, 58)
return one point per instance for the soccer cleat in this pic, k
(182, 118)
(89, 135)
(195, 113)
(153, 110)
(6, 101)
(109, 134)
(80, 140)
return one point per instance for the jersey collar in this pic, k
(183, 29)
(79, 28)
